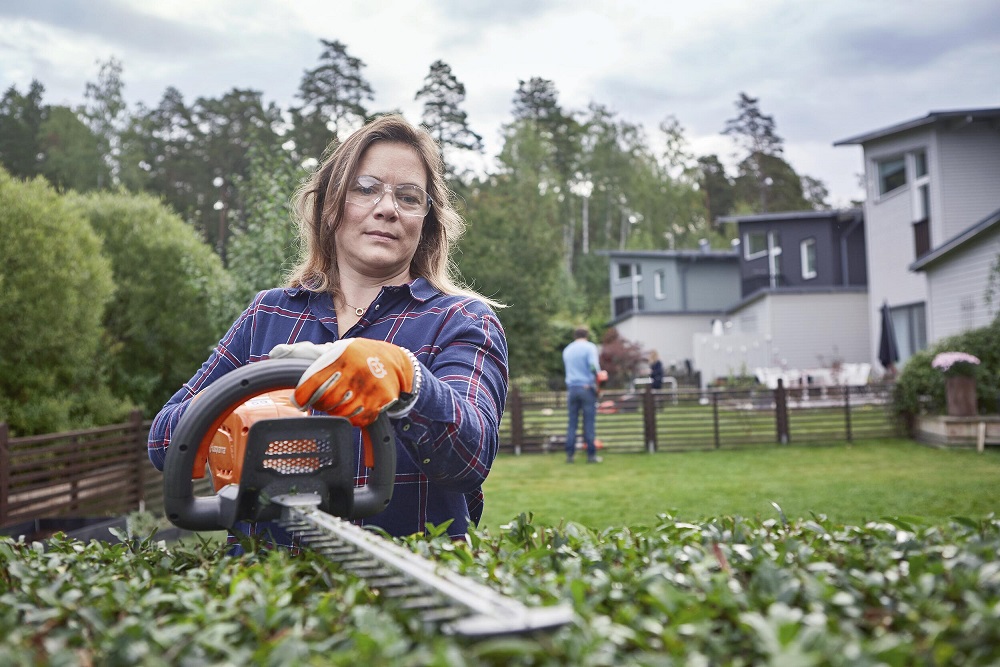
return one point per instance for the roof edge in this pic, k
(957, 241)
(931, 118)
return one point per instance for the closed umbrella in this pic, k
(888, 350)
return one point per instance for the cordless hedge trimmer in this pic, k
(270, 462)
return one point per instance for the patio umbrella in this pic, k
(888, 350)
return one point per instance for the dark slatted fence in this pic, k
(676, 420)
(105, 472)
(98, 472)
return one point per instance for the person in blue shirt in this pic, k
(583, 374)
(377, 227)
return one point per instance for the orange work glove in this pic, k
(356, 378)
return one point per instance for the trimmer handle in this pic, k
(203, 417)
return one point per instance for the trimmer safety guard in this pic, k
(284, 456)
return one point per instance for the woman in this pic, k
(377, 227)
(655, 370)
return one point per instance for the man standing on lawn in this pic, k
(583, 373)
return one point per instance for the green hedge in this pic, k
(727, 591)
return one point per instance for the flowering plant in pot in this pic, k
(956, 364)
(959, 370)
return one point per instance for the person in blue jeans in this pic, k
(583, 372)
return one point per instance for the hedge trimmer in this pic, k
(269, 462)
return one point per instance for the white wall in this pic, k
(957, 286)
(970, 178)
(669, 334)
(793, 331)
(811, 330)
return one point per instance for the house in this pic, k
(804, 298)
(963, 279)
(932, 190)
(661, 298)
(793, 294)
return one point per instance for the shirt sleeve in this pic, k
(230, 353)
(452, 432)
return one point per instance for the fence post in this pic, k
(847, 411)
(649, 419)
(781, 412)
(715, 417)
(141, 458)
(4, 470)
(516, 420)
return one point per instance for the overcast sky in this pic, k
(825, 70)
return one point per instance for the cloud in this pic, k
(823, 70)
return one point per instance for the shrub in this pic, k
(920, 387)
(54, 284)
(726, 591)
(172, 301)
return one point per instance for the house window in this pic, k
(921, 238)
(626, 271)
(808, 255)
(891, 174)
(659, 283)
(754, 245)
(921, 204)
(910, 324)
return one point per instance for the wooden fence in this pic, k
(105, 471)
(683, 419)
(98, 472)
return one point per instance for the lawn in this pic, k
(849, 483)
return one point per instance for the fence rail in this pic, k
(682, 419)
(99, 472)
(105, 472)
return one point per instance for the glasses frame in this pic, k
(390, 189)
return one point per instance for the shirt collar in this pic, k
(420, 289)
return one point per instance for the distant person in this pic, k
(655, 370)
(583, 376)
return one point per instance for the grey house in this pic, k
(933, 186)
(661, 298)
(792, 295)
(804, 301)
(801, 249)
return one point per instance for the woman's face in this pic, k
(378, 241)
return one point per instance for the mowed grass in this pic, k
(849, 483)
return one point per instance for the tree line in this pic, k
(214, 176)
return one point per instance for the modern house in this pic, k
(792, 295)
(933, 196)
(804, 299)
(660, 299)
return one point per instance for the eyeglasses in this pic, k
(408, 199)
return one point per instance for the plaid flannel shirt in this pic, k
(445, 445)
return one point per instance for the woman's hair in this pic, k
(319, 210)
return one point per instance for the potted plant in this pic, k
(959, 370)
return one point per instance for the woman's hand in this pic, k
(355, 378)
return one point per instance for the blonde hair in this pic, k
(320, 199)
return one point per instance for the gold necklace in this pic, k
(357, 311)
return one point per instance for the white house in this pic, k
(963, 280)
(931, 183)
